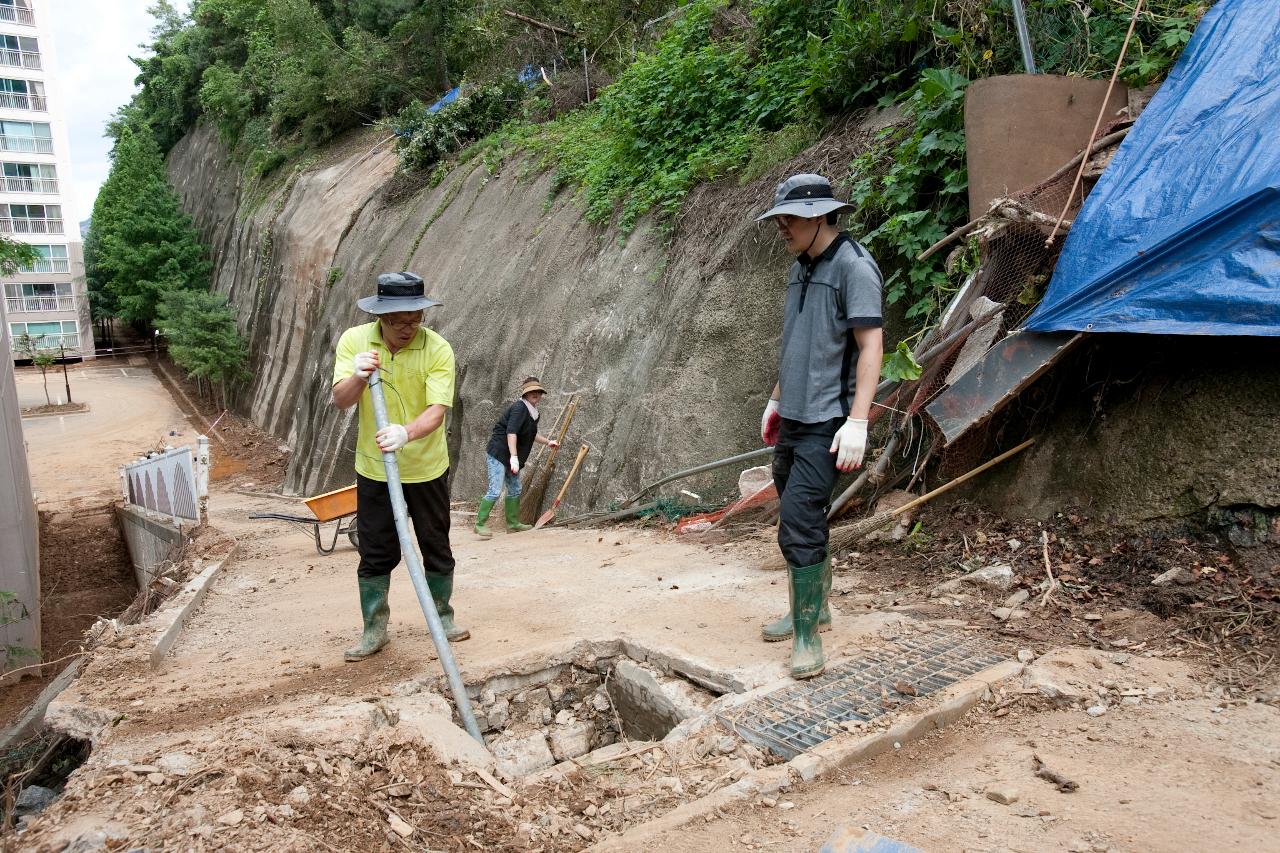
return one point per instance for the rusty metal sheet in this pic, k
(1010, 366)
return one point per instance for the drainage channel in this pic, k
(799, 717)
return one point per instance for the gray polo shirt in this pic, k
(827, 298)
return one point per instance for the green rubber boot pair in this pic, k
(781, 630)
(806, 594)
(514, 525)
(441, 587)
(482, 516)
(376, 612)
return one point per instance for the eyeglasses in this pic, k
(401, 321)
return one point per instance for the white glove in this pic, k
(515, 467)
(850, 444)
(365, 364)
(391, 438)
(770, 424)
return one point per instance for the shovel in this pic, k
(547, 516)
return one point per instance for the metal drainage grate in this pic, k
(796, 718)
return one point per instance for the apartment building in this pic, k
(47, 300)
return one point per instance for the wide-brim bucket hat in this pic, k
(806, 196)
(397, 291)
(530, 385)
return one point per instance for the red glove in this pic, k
(770, 424)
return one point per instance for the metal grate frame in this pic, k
(799, 717)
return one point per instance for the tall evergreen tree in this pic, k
(140, 243)
(203, 339)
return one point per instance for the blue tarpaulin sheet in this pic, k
(1181, 235)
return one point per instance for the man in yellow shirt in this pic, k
(416, 367)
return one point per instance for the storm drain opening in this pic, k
(850, 694)
(533, 721)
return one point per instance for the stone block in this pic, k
(517, 756)
(572, 740)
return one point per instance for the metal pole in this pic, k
(414, 563)
(1024, 37)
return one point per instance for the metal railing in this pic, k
(50, 344)
(23, 101)
(20, 59)
(9, 225)
(48, 265)
(39, 304)
(168, 483)
(30, 185)
(26, 144)
(18, 15)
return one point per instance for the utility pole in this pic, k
(62, 349)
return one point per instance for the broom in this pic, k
(531, 500)
(844, 536)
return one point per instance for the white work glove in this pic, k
(770, 424)
(365, 364)
(850, 444)
(515, 467)
(391, 438)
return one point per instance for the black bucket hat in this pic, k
(397, 291)
(806, 196)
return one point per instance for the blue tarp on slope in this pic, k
(1181, 235)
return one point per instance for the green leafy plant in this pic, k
(28, 347)
(912, 188)
(425, 138)
(900, 365)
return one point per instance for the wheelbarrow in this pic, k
(338, 505)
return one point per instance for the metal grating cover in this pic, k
(796, 718)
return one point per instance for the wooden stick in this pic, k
(1053, 583)
(494, 783)
(537, 23)
(1133, 22)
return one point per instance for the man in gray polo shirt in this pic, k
(816, 418)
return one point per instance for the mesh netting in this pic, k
(1016, 261)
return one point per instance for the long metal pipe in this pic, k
(1024, 36)
(416, 573)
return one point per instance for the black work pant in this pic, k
(804, 470)
(428, 505)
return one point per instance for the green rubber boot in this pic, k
(441, 587)
(781, 630)
(514, 525)
(376, 612)
(482, 515)
(806, 600)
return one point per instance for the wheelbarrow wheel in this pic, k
(353, 536)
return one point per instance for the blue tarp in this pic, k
(1181, 235)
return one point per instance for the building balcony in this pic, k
(44, 265)
(39, 304)
(17, 15)
(20, 59)
(46, 186)
(22, 101)
(26, 144)
(30, 226)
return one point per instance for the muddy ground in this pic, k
(253, 734)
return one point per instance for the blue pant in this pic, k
(499, 474)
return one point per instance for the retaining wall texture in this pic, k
(670, 339)
(151, 540)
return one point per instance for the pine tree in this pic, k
(203, 339)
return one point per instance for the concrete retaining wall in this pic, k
(151, 539)
(19, 524)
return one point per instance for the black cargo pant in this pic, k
(428, 505)
(804, 470)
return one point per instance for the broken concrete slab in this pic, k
(429, 719)
(998, 577)
(520, 755)
(572, 740)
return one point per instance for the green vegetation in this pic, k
(42, 357)
(203, 339)
(14, 256)
(701, 89)
(145, 263)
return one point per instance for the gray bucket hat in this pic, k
(806, 196)
(397, 291)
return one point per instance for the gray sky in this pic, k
(94, 42)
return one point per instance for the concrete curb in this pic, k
(823, 760)
(173, 616)
(34, 715)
